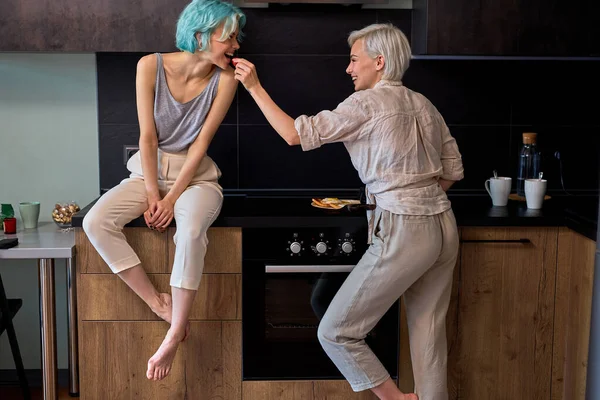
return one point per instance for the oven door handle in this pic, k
(305, 269)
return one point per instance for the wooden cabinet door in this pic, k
(114, 361)
(107, 25)
(506, 313)
(506, 27)
(553, 28)
(574, 288)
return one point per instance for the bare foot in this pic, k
(159, 364)
(410, 396)
(165, 311)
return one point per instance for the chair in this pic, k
(8, 310)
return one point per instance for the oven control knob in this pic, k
(347, 247)
(295, 247)
(321, 247)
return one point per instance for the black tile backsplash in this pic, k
(113, 139)
(483, 148)
(224, 152)
(465, 92)
(116, 88)
(266, 161)
(301, 54)
(556, 93)
(298, 84)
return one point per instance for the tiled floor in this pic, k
(14, 393)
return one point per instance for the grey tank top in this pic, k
(177, 124)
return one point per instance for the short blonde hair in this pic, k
(389, 41)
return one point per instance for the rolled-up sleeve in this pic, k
(451, 159)
(345, 123)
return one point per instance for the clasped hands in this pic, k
(159, 214)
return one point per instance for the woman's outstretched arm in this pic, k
(283, 124)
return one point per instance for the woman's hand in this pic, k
(152, 205)
(161, 214)
(245, 72)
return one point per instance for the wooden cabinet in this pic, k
(118, 333)
(519, 317)
(500, 27)
(506, 27)
(517, 325)
(83, 25)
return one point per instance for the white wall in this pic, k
(48, 153)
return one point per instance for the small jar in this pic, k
(10, 225)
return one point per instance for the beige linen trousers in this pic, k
(194, 211)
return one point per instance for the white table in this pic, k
(45, 244)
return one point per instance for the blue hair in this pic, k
(204, 16)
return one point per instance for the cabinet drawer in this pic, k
(515, 238)
(224, 253)
(156, 250)
(303, 390)
(105, 297)
(150, 246)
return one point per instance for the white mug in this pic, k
(498, 189)
(535, 190)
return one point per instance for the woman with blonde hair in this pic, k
(182, 98)
(406, 157)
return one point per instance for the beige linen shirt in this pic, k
(398, 142)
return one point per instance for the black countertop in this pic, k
(579, 213)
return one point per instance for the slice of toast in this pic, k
(332, 202)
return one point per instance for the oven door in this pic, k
(282, 307)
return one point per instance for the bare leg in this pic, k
(160, 303)
(159, 364)
(389, 391)
(137, 279)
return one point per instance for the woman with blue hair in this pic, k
(182, 98)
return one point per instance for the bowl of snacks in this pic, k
(63, 212)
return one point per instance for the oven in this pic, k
(289, 278)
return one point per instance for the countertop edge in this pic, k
(466, 217)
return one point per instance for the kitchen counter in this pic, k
(541, 306)
(579, 213)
